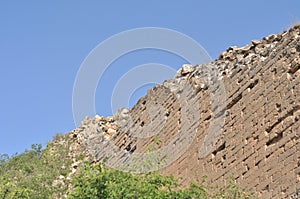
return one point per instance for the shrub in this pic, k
(32, 174)
(95, 181)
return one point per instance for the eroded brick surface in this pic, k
(237, 116)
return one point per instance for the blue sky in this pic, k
(42, 45)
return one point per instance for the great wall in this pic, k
(238, 116)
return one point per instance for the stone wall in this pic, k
(238, 116)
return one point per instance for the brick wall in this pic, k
(238, 116)
(260, 142)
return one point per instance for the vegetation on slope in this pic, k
(47, 173)
(36, 173)
(96, 182)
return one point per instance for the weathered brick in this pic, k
(258, 143)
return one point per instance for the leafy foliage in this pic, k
(32, 174)
(96, 182)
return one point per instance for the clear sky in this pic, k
(43, 44)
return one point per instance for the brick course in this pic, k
(259, 141)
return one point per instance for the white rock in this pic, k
(111, 131)
(110, 119)
(256, 42)
(187, 68)
(97, 117)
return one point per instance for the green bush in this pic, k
(32, 174)
(94, 182)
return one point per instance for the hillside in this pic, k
(234, 121)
